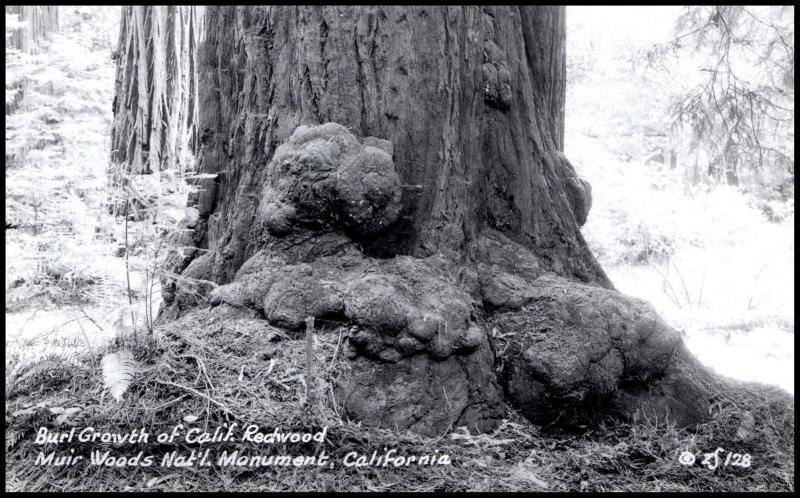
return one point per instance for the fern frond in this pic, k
(118, 371)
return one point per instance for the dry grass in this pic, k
(224, 368)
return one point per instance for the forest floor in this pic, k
(67, 286)
(216, 367)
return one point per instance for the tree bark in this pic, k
(400, 169)
(474, 148)
(155, 103)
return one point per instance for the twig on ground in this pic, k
(336, 351)
(88, 317)
(196, 392)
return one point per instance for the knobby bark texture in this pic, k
(40, 20)
(399, 169)
(155, 103)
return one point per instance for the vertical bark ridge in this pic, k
(155, 107)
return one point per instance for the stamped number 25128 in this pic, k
(714, 459)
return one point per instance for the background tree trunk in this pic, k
(400, 169)
(40, 21)
(155, 103)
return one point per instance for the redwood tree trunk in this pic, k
(155, 103)
(40, 20)
(472, 99)
(400, 169)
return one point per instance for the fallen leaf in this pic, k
(67, 414)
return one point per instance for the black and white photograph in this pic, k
(385, 248)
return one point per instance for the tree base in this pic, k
(437, 343)
(573, 352)
(436, 340)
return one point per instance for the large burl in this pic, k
(323, 175)
(573, 353)
(439, 341)
(420, 358)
